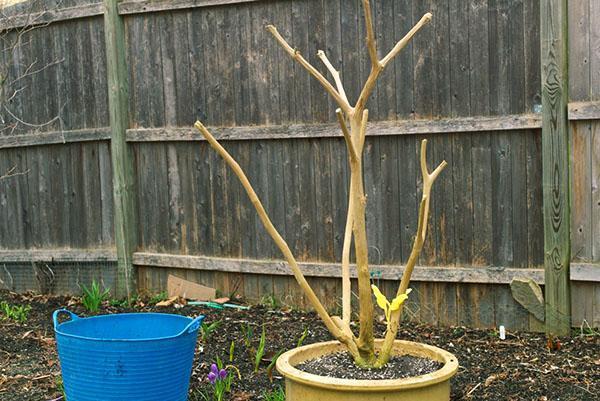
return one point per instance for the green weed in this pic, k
(207, 330)
(270, 301)
(260, 351)
(92, 297)
(272, 365)
(302, 338)
(18, 313)
(231, 351)
(162, 296)
(274, 395)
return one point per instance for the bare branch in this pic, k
(12, 172)
(347, 136)
(279, 241)
(29, 71)
(363, 130)
(428, 180)
(295, 54)
(346, 283)
(377, 68)
(425, 19)
(30, 124)
(371, 42)
(334, 73)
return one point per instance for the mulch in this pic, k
(524, 366)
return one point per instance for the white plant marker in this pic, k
(502, 333)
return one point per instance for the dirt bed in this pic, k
(522, 367)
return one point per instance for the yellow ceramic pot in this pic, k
(302, 386)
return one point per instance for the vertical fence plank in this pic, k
(123, 175)
(555, 165)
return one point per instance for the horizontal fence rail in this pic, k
(383, 128)
(484, 275)
(584, 111)
(55, 137)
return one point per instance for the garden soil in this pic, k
(525, 366)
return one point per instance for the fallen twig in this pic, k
(473, 389)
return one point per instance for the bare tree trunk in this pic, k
(361, 348)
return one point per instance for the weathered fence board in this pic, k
(584, 93)
(302, 186)
(470, 83)
(274, 97)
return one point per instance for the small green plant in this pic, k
(248, 333)
(493, 333)
(18, 313)
(124, 303)
(585, 330)
(207, 330)
(270, 301)
(260, 351)
(60, 387)
(272, 365)
(274, 395)
(162, 296)
(92, 297)
(231, 351)
(302, 338)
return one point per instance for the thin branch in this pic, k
(28, 71)
(347, 136)
(279, 241)
(334, 73)
(428, 180)
(295, 54)
(425, 19)
(15, 93)
(377, 68)
(371, 43)
(363, 130)
(346, 283)
(12, 172)
(30, 124)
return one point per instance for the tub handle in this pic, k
(58, 312)
(192, 326)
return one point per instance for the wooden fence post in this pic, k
(555, 162)
(122, 163)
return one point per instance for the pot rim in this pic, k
(445, 373)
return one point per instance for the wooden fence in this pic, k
(471, 82)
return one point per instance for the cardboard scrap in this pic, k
(178, 287)
(221, 301)
(167, 302)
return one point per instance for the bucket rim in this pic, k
(192, 326)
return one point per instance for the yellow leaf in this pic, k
(381, 299)
(399, 300)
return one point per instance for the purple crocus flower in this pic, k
(222, 374)
(212, 377)
(214, 369)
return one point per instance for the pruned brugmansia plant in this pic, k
(353, 123)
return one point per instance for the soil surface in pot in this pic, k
(341, 365)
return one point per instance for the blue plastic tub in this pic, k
(126, 357)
